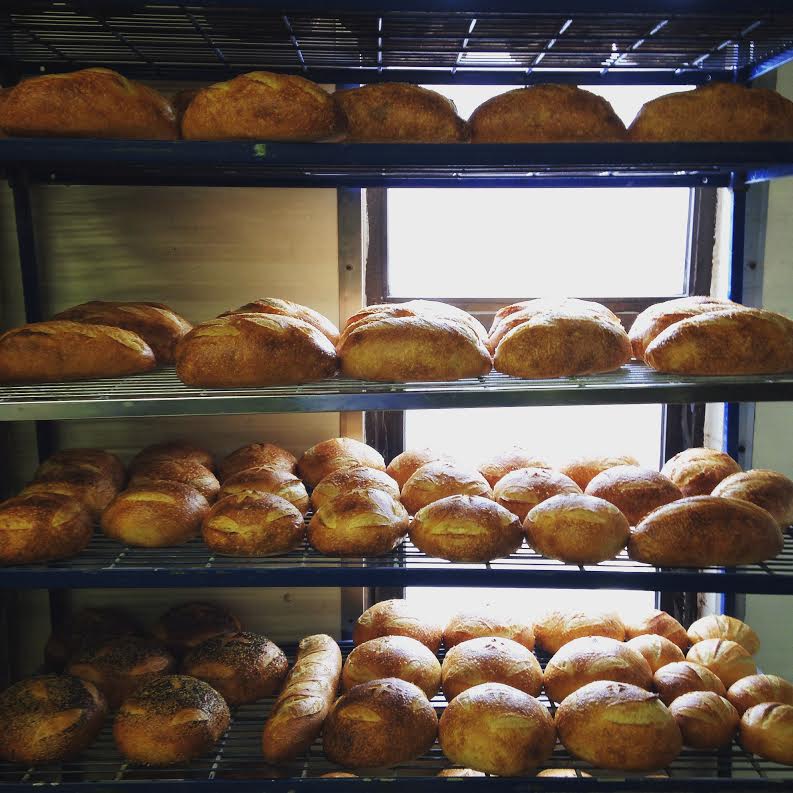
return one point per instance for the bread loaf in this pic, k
(486, 621)
(767, 489)
(722, 626)
(261, 479)
(286, 308)
(767, 730)
(188, 624)
(437, 480)
(582, 470)
(522, 490)
(397, 618)
(660, 623)
(657, 650)
(174, 450)
(757, 689)
(556, 627)
(706, 530)
(335, 454)
(94, 490)
(499, 465)
(726, 659)
(346, 479)
(697, 471)
(185, 471)
(680, 677)
(96, 460)
(404, 465)
(706, 720)
(256, 454)
(46, 352)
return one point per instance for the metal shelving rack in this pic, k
(509, 42)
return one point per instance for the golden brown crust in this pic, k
(715, 112)
(715, 344)
(499, 465)
(46, 352)
(757, 689)
(680, 677)
(767, 489)
(576, 528)
(40, 527)
(159, 326)
(582, 470)
(558, 627)
(697, 471)
(254, 350)
(706, 720)
(767, 731)
(256, 454)
(262, 479)
(725, 658)
(200, 478)
(706, 530)
(490, 660)
(545, 113)
(466, 529)
(404, 465)
(486, 621)
(49, 718)
(336, 453)
(91, 459)
(722, 626)
(659, 623)
(436, 480)
(90, 103)
(399, 113)
(174, 450)
(397, 618)
(346, 479)
(657, 650)
(286, 308)
(188, 624)
(617, 725)
(497, 729)
(93, 489)
(261, 106)
(242, 667)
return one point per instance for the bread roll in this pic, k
(582, 470)
(399, 113)
(46, 352)
(49, 718)
(253, 350)
(522, 490)
(715, 112)
(359, 523)
(393, 656)
(96, 460)
(380, 723)
(119, 666)
(173, 719)
(680, 677)
(437, 480)
(42, 527)
(577, 529)
(725, 658)
(767, 730)
(156, 515)
(497, 729)
(242, 667)
(187, 625)
(174, 450)
(466, 529)
(404, 465)
(545, 114)
(261, 479)
(334, 454)
(155, 323)
(310, 689)
(706, 720)
(346, 479)
(706, 530)
(757, 689)
(486, 621)
(397, 618)
(286, 308)
(722, 626)
(499, 465)
(490, 660)
(660, 623)
(714, 344)
(255, 455)
(185, 471)
(94, 490)
(697, 471)
(89, 103)
(768, 489)
(657, 650)
(591, 658)
(558, 627)
(460, 772)
(617, 725)
(261, 106)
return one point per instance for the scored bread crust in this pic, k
(767, 489)
(333, 454)
(286, 308)
(697, 471)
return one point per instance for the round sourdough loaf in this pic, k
(436, 480)
(657, 650)
(96, 460)
(256, 454)
(345, 479)
(725, 658)
(680, 677)
(660, 623)
(582, 470)
(757, 689)
(188, 624)
(187, 472)
(286, 308)
(262, 479)
(174, 450)
(767, 731)
(93, 489)
(556, 627)
(404, 465)
(334, 454)
(485, 621)
(722, 626)
(768, 489)
(523, 489)
(495, 468)
(697, 471)
(706, 720)
(397, 618)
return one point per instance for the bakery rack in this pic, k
(509, 42)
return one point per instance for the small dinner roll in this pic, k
(185, 471)
(485, 621)
(722, 626)
(659, 623)
(256, 454)
(49, 718)
(262, 479)
(346, 479)
(521, 490)
(556, 628)
(490, 660)
(155, 515)
(657, 650)
(591, 658)
(617, 725)
(697, 471)
(397, 618)
(499, 465)
(680, 677)
(336, 453)
(635, 491)
(437, 480)
(497, 729)
(582, 470)
(466, 529)
(725, 658)
(94, 490)
(404, 465)
(767, 730)
(577, 529)
(119, 666)
(767, 489)
(359, 523)
(757, 689)
(460, 772)
(173, 719)
(706, 720)
(188, 624)
(96, 460)
(378, 724)
(393, 656)
(242, 667)
(253, 524)
(174, 450)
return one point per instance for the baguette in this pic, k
(299, 712)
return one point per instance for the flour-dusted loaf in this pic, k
(345, 479)
(287, 308)
(767, 489)
(335, 454)
(557, 627)
(404, 465)
(486, 620)
(397, 617)
(697, 471)
(497, 466)
(523, 489)
(722, 626)
(256, 454)
(436, 480)
(187, 472)
(261, 479)
(657, 623)
(582, 470)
